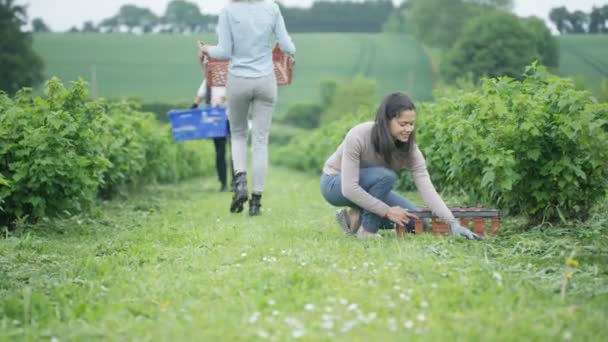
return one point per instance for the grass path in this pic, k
(170, 263)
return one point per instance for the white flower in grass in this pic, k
(391, 304)
(243, 254)
(271, 302)
(433, 285)
(303, 263)
(365, 264)
(405, 297)
(408, 324)
(262, 334)
(497, 277)
(397, 287)
(424, 304)
(309, 307)
(410, 291)
(421, 317)
(298, 333)
(275, 312)
(352, 307)
(392, 324)
(294, 323)
(329, 309)
(567, 335)
(54, 339)
(237, 265)
(327, 325)
(348, 325)
(103, 288)
(16, 322)
(254, 318)
(326, 317)
(354, 268)
(343, 301)
(367, 318)
(283, 252)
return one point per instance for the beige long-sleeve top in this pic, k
(357, 152)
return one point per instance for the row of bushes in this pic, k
(337, 98)
(61, 151)
(537, 147)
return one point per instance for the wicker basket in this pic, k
(216, 70)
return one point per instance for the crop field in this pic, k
(585, 56)
(162, 68)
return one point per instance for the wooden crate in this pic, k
(479, 218)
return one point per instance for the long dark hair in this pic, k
(384, 144)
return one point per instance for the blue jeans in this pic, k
(378, 182)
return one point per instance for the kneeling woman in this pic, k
(361, 173)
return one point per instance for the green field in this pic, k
(162, 68)
(171, 263)
(586, 56)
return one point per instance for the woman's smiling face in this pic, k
(402, 125)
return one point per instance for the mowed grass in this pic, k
(171, 263)
(164, 68)
(586, 56)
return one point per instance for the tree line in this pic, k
(579, 22)
(183, 16)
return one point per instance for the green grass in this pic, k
(586, 56)
(164, 68)
(171, 263)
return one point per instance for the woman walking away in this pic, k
(245, 33)
(361, 174)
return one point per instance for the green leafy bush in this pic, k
(303, 115)
(308, 150)
(59, 152)
(496, 44)
(51, 151)
(348, 97)
(535, 147)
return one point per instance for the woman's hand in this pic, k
(203, 50)
(399, 216)
(459, 230)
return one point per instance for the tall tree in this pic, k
(578, 21)
(89, 27)
(596, 20)
(133, 16)
(546, 45)
(110, 24)
(38, 25)
(501, 4)
(559, 16)
(183, 16)
(19, 65)
(438, 22)
(496, 44)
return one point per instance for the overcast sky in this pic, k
(60, 15)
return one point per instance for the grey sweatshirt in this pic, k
(357, 152)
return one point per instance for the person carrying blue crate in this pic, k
(215, 97)
(245, 32)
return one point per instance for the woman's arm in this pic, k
(280, 31)
(223, 49)
(426, 188)
(349, 176)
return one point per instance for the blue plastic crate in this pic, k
(191, 124)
